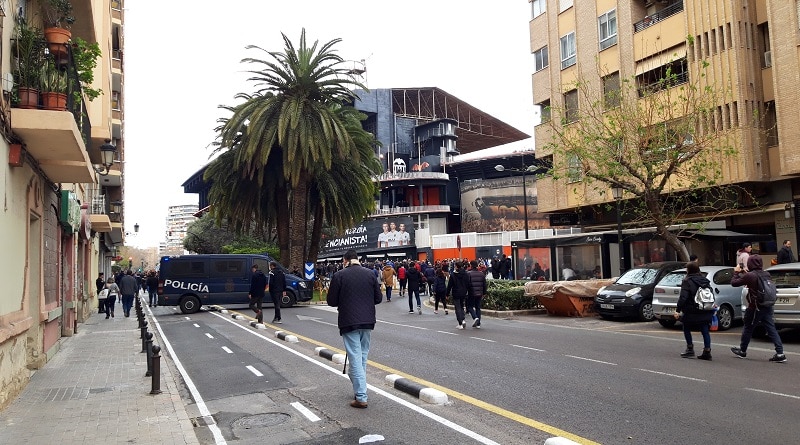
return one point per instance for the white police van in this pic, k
(190, 281)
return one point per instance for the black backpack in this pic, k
(766, 294)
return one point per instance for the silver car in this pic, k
(787, 308)
(728, 298)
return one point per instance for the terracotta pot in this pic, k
(28, 98)
(15, 156)
(57, 39)
(54, 101)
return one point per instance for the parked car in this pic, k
(728, 298)
(787, 281)
(631, 295)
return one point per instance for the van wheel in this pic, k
(288, 300)
(190, 304)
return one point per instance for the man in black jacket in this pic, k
(258, 282)
(355, 291)
(477, 281)
(785, 255)
(277, 288)
(459, 287)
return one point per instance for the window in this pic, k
(538, 7)
(229, 268)
(666, 76)
(574, 169)
(608, 29)
(116, 5)
(115, 100)
(563, 5)
(571, 106)
(540, 59)
(187, 268)
(568, 50)
(544, 111)
(611, 90)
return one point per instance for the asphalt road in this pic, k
(515, 381)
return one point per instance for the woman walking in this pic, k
(692, 317)
(113, 293)
(440, 291)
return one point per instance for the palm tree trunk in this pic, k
(282, 218)
(297, 225)
(316, 234)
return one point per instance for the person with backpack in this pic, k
(440, 290)
(691, 315)
(761, 298)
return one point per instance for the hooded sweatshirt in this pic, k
(750, 279)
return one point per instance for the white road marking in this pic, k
(403, 325)
(255, 371)
(196, 325)
(187, 318)
(446, 332)
(209, 335)
(305, 411)
(590, 360)
(484, 339)
(227, 349)
(671, 375)
(532, 349)
(773, 393)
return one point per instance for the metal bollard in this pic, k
(143, 329)
(149, 349)
(156, 382)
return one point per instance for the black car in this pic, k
(632, 294)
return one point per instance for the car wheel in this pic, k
(725, 318)
(288, 300)
(646, 311)
(667, 323)
(190, 304)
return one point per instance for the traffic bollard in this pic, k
(156, 382)
(144, 335)
(149, 348)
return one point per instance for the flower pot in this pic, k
(57, 39)
(28, 98)
(54, 101)
(15, 155)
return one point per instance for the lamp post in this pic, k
(617, 193)
(107, 154)
(502, 168)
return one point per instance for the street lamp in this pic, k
(107, 153)
(136, 228)
(501, 168)
(616, 192)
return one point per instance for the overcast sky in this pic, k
(182, 60)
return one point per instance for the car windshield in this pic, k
(638, 276)
(672, 279)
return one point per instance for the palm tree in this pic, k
(293, 111)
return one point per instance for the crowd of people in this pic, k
(122, 288)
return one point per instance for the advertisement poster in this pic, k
(497, 205)
(372, 235)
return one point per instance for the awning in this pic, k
(399, 254)
(376, 256)
(329, 259)
(660, 59)
(728, 234)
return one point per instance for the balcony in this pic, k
(98, 211)
(410, 210)
(659, 16)
(390, 178)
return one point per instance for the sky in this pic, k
(181, 63)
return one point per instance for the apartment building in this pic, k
(61, 116)
(601, 40)
(178, 219)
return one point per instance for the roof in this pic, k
(476, 130)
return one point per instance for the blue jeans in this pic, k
(687, 334)
(411, 294)
(388, 293)
(752, 318)
(127, 304)
(474, 307)
(356, 343)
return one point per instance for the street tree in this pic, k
(206, 237)
(667, 143)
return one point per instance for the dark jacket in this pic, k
(459, 285)
(128, 285)
(276, 281)
(152, 283)
(477, 281)
(785, 255)
(257, 284)
(750, 279)
(440, 283)
(355, 291)
(414, 277)
(692, 315)
(430, 274)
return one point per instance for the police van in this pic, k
(190, 281)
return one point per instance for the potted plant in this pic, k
(29, 52)
(58, 21)
(54, 87)
(85, 56)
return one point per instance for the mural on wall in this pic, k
(496, 205)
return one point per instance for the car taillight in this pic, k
(660, 291)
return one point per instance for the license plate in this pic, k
(606, 306)
(783, 301)
(669, 310)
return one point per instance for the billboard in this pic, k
(497, 205)
(372, 235)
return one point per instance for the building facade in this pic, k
(178, 219)
(61, 117)
(596, 41)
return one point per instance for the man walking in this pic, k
(277, 288)
(100, 283)
(128, 287)
(355, 291)
(785, 254)
(459, 287)
(755, 313)
(152, 288)
(477, 281)
(258, 282)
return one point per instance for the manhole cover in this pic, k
(261, 420)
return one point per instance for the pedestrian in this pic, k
(692, 317)
(258, 284)
(505, 267)
(128, 287)
(100, 284)
(440, 291)
(355, 291)
(477, 281)
(430, 278)
(756, 314)
(152, 288)
(413, 281)
(742, 255)
(111, 299)
(785, 254)
(277, 288)
(459, 288)
(389, 280)
(401, 276)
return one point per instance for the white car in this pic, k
(728, 298)
(787, 307)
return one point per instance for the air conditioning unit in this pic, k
(767, 59)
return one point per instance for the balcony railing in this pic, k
(654, 18)
(389, 176)
(411, 209)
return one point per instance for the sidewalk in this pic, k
(94, 391)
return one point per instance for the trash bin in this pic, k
(567, 298)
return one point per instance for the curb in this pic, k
(429, 395)
(330, 355)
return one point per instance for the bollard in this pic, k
(156, 382)
(149, 348)
(144, 334)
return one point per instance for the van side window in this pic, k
(262, 264)
(229, 268)
(187, 269)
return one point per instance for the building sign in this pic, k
(70, 214)
(564, 219)
(372, 235)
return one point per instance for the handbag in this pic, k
(103, 294)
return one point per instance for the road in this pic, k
(515, 381)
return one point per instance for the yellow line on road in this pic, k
(457, 395)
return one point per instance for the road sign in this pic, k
(309, 270)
